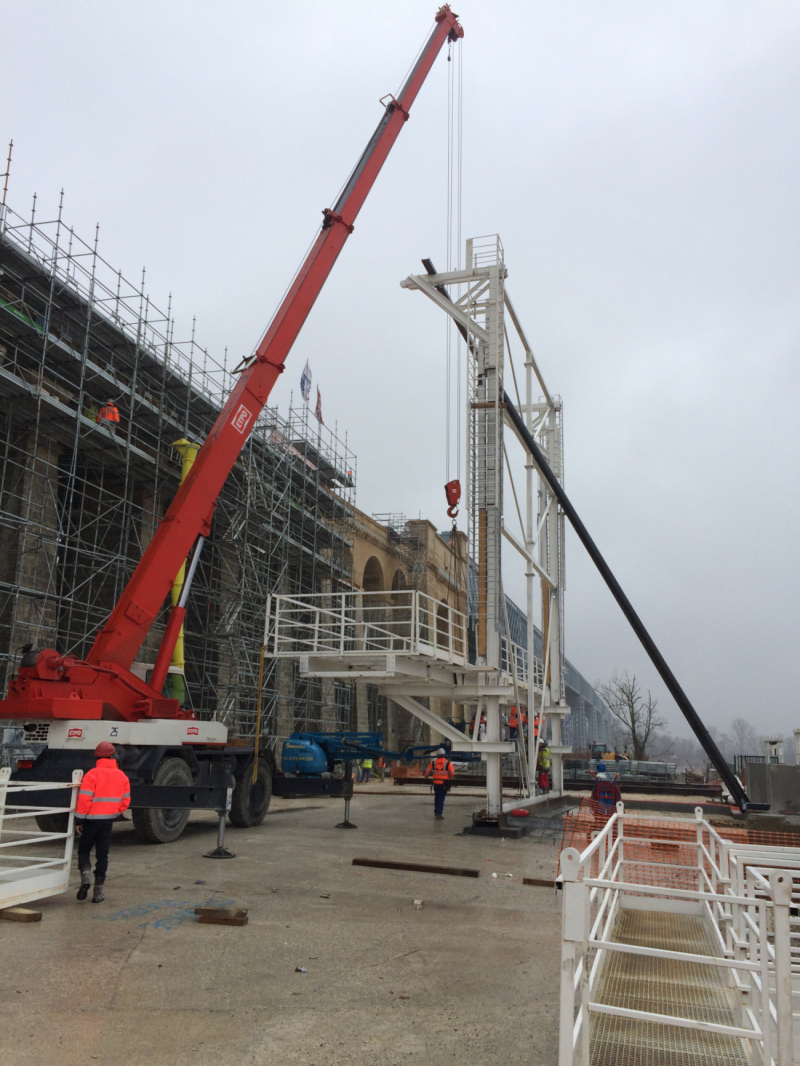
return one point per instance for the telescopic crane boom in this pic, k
(50, 685)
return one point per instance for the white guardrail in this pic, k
(365, 623)
(26, 872)
(748, 896)
(379, 623)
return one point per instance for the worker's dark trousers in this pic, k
(365, 776)
(96, 834)
(439, 793)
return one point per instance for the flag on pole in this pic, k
(318, 411)
(305, 382)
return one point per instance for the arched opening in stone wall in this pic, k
(372, 580)
(399, 581)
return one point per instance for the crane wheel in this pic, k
(250, 802)
(162, 825)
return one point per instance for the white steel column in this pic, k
(479, 311)
(530, 574)
(476, 299)
(486, 497)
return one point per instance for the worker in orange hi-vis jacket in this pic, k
(441, 769)
(513, 724)
(104, 794)
(108, 416)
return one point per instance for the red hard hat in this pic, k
(105, 750)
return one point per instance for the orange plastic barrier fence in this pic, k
(656, 851)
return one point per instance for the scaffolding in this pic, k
(80, 500)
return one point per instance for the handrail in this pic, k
(743, 891)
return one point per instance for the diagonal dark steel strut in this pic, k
(690, 714)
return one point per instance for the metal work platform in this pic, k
(410, 644)
(404, 634)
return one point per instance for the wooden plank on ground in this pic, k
(418, 867)
(541, 882)
(21, 914)
(221, 915)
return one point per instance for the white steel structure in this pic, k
(699, 934)
(26, 873)
(477, 300)
(412, 646)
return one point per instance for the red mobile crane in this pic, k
(77, 703)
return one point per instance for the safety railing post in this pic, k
(585, 975)
(574, 932)
(77, 777)
(341, 623)
(725, 869)
(698, 814)
(5, 773)
(780, 884)
(763, 955)
(620, 844)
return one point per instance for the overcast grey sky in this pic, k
(638, 159)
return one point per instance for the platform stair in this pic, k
(680, 944)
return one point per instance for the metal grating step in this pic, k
(666, 986)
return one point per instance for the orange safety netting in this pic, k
(657, 851)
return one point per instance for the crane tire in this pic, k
(250, 802)
(53, 823)
(162, 825)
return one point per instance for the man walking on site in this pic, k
(104, 794)
(442, 771)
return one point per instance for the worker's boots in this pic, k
(86, 880)
(98, 896)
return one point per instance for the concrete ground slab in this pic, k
(470, 978)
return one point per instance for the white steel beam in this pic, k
(528, 558)
(462, 740)
(530, 360)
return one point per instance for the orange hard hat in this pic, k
(105, 750)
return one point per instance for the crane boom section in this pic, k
(190, 512)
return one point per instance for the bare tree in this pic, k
(637, 714)
(744, 738)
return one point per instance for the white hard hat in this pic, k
(441, 751)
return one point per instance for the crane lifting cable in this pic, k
(453, 260)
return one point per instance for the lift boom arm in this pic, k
(190, 513)
(51, 685)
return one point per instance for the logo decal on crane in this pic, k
(192, 731)
(74, 734)
(241, 420)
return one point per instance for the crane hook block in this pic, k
(452, 491)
